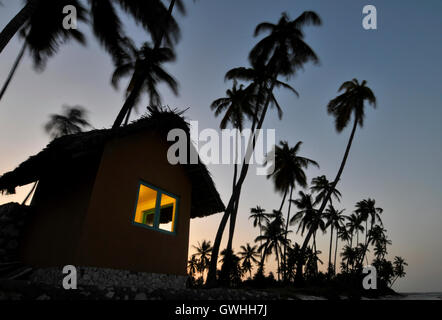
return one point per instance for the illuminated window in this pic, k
(156, 209)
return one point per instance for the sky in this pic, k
(395, 157)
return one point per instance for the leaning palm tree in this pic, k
(345, 106)
(282, 52)
(72, 120)
(398, 268)
(236, 106)
(43, 34)
(145, 67)
(41, 23)
(248, 256)
(288, 172)
(203, 253)
(152, 15)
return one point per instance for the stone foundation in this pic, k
(104, 277)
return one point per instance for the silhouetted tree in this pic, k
(145, 67)
(203, 253)
(309, 219)
(73, 120)
(42, 36)
(248, 256)
(237, 105)
(282, 52)
(106, 24)
(288, 172)
(335, 219)
(343, 107)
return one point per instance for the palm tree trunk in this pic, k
(298, 276)
(235, 211)
(128, 104)
(332, 188)
(130, 101)
(17, 22)
(126, 120)
(169, 11)
(329, 253)
(235, 168)
(341, 168)
(277, 262)
(364, 254)
(316, 254)
(336, 252)
(232, 227)
(13, 69)
(283, 200)
(29, 194)
(211, 277)
(286, 230)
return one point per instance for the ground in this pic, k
(24, 290)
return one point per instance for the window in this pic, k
(156, 209)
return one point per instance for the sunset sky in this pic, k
(394, 159)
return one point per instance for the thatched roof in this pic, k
(82, 147)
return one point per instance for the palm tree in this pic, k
(192, 265)
(354, 225)
(367, 209)
(260, 76)
(349, 256)
(203, 253)
(231, 271)
(322, 186)
(273, 238)
(286, 41)
(43, 34)
(342, 108)
(309, 219)
(41, 23)
(237, 104)
(248, 256)
(147, 72)
(71, 121)
(377, 237)
(398, 268)
(288, 171)
(335, 219)
(259, 216)
(344, 235)
(152, 15)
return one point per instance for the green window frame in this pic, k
(157, 209)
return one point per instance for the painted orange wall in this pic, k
(108, 237)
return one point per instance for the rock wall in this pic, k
(12, 220)
(104, 277)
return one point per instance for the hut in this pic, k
(110, 199)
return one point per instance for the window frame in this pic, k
(156, 221)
